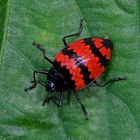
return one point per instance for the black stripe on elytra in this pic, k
(96, 52)
(108, 43)
(80, 63)
(85, 73)
(65, 73)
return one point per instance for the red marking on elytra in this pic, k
(77, 77)
(65, 61)
(70, 65)
(80, 48)
(98, 42)
(92, 62)
(94, 67)
(106, 51)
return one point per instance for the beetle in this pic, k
(76, 66)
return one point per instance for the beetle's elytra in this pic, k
(76, 66)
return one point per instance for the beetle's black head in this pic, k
(55, 81)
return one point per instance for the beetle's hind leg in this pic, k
(75, 34)
(109, 81)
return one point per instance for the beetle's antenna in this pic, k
(41, 48)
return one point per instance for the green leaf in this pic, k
(114, 111)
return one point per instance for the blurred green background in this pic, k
(114, 111)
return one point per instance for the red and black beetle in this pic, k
(77, 65)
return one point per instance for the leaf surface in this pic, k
(114, 111)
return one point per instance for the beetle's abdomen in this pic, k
(84, 61)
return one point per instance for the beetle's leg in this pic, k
(69, 97)
(61, 99)
(109, 81)
(75, 34)
(34, 82)
(53, 98)
(41, 48)
(46, 100)
(82, 106)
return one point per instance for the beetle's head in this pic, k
(50, 86)
(55, 81)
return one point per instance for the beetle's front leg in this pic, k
(32, 86)
(34, 82)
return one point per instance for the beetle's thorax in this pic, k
(57, 79)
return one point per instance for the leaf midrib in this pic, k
(5, 32)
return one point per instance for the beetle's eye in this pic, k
(50, 86)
